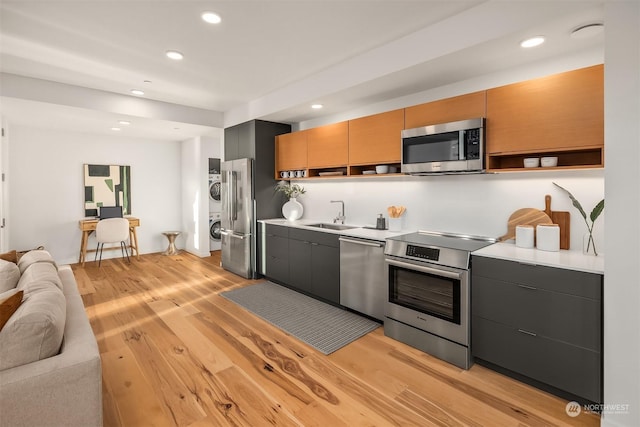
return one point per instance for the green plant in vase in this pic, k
(595, 213)
(290, 190)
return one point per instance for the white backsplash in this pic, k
(472, 204)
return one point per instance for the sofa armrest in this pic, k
(65, 389)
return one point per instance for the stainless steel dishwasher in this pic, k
(363, 286)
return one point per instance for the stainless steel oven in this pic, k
(428, 292)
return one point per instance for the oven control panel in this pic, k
(430, 254)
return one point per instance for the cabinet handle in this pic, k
(314, 244)
(528, 287)
(533, 334)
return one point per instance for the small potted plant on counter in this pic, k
(589, 245)
(291, 210)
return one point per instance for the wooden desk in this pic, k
(88, 226)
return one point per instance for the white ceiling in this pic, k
(267, 59)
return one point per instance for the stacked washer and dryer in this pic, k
(214, 211)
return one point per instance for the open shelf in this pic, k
(573, 159)
(370, 170)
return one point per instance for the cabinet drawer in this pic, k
(319, 237)
(277, 230)
(559, 316)
(588, 285)
(569, 368)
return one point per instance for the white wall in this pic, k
(473, 204)
(46, 187)
(622, 270)
(193, 198)
(4, 164)
(195, 155)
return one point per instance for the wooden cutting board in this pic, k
(563, 219)
(524, 216)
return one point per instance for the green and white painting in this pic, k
(106, 185)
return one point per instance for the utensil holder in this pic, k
(395, 224)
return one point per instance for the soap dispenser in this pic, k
(381, 223)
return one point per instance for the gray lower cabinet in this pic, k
(325, 272)
(276, 252)
(308, 261)
(300, 265)
(541, 323)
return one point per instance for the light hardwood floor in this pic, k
(175, 353)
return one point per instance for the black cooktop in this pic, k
(445, 240)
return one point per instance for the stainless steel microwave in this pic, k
(456, 147)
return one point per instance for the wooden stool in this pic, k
(171, 236)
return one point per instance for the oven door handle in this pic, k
(424, 269)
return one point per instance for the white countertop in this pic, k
(571, 260)
(359, 231)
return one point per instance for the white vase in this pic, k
(292, 210)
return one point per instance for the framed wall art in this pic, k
(106, 185)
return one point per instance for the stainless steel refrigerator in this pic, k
(237, 223)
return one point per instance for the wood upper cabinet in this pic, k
(555, 113)
(328, 146)
(376, 139)
(463, 107)
(291, 151)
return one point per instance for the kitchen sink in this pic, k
(333, 226)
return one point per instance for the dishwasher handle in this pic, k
(362, 242)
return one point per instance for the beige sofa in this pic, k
(63, 389)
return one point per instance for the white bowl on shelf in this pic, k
(549, 162)
(531, 162)
(382, 169)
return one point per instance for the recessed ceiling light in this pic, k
(211, 18)
(532, 42)
(317, 106)
(137, 92)
(586, 31)
(175, 55)
(124, 122)
(115, 129)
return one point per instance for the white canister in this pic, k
(548, 237)
(524, 236)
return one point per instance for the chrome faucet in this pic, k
(340, 218)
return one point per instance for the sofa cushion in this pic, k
(11, 256)
(9, 303)
(35, 330)
(9, 275)
(38, 272)
(34, 256)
